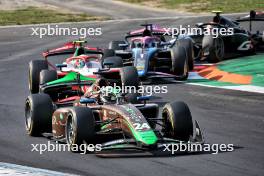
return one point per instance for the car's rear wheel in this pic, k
(108, 53)
(130, 81)
(115, 45)
(179, 60)
(38, 114)
(47, 76)
(215, 47)
(129, 76)
(115, 61)
(35, 67)
(188, 45)
(80, 126)
(177, 121)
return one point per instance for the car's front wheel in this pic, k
(177, 121)
(80, 126)
(38, 113)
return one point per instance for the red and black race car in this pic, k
(83, 60)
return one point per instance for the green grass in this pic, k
(206, 5)
(33, 15)
(251, 65)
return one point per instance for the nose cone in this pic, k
(146, 137)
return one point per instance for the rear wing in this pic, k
(253, 16)
(153, 29)
(70, 48)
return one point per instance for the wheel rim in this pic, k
(70, 131)
(219, 48)
(167, 129)
(28, 114)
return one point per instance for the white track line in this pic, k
(7, 169)
(245, 88)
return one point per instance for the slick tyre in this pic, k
(108, 53)
(80, 127)
(179, 60)
(38, 114)
(129, 76)
(115, 45)
(215, 47)
(177, 121)
(35, 67)
(47, 76)
(116, 62)
(188, 45)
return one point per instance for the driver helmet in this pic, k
(109, 94)
(108, 98)
(79, 63)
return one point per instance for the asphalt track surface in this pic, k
(225, 116)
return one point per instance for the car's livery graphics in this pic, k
(153, 56)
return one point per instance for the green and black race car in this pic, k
(83, 119)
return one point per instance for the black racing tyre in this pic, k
(116, 62)
(188, 45)
(38, 113)
(108, 53)
(215, 47)
(47, 76)
(115, 45)
(130, 80)
(80, 126)
(179, 60)
(177, 120)
(35, 67)
(129, 76)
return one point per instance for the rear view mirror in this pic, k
(87, 100)
(143, 98)
(61, 65)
